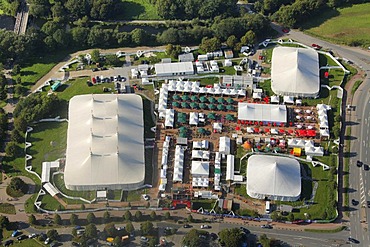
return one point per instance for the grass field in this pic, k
(138, 10)
(79, 86)
(49, 203)
(7, 208)
(59, 183)
(48, 143)
(349, 25)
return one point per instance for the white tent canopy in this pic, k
(194, 118)
(179, 164)
(224, 145)
(274, 177)
(105, 142)
(200, 168)
(262, 112)
(230, 167)
(295, 72)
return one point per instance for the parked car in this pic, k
(144, 239)
(354, 202)
(285, 30)
(75, 244)
(21, 237)
(47, 241)
(352, 240)
(187, 226)
(33, 235)
(316, 46)
(368, 204)
(94, 69)
(245, 230)
(366, 167)
(146, 197)
(43, 236)
(267, 226)
(78, 227)
(8, 242)
(205, 227)
(359, 163)
(16, 233)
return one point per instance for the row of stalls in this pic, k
(307, 145)
(179, 164)
(200, 164)
(322, 111)
(194, 87)
(164, 164)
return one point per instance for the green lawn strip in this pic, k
(205, 204)
(50, 203)
(133, 196)
(48, 143)
(58, 180)
(356, 86)
(350, 25)
(266, 86)
(7, 208)
(148, 118)
(338, 229)
(208, 81)
(79, 86)
(346, 173)
(138, 10)
(28, 243)
(29, 206)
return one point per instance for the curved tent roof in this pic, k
(104, 149)
(295, 72)
(274, 177)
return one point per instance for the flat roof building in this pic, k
(174, 69)
(262, 112)
(105, 142)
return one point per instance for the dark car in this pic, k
(285, 30)
(78, 227)
(245, 230)
(75, 244)
(359, 163)
(354, 202)
(21, 237)
(267, 226)
(366, 167)
(43, 237)
(8, 242)
(368, 204)
(316, 46)
(214, 236)
(94, 69)
(187, 226)
(352, 240)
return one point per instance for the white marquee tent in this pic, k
(274, 177)
(224, 145)
(295, 72)
(262, 112)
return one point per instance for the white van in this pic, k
(268, 207)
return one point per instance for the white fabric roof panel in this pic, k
(50, 189)
(274, 177)
(199, 168)
(262, 112)
(224, 145)
(295, 72)
(105, 142)
(164, 69)
(230, 167)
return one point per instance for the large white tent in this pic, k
(224, 145)
(105, 142)
(295, 72)
(274, 177)
(262, 112)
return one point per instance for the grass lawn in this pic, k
(350, 25)
(205, 204)
(7, 208)
(48, 143)
(208, 81)
(29, 207)
(59, 183)
(133, 196)
(49, 203)
(138, 10)
(29, 243)
(79, 86)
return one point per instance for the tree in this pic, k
(173, 50)
(95, 55)
(169, 36)
(58, 12)
(231, 41)
(39, 8)
(74, 232)
(111, 230)
(265, 241)
(210, 45)
(249, 38)
(32, 219)
(11, 148)
(57, 219)
(91, 231)
(291, 217)
(83, 207)
(73, 219)
(146, 227)
(130, 227)
(17, 187)
(113, 60)
(138, 215)
(192, 239)
(167, 215)
(90, 218)
(127, 215)
(275, 216)
(190, 218)
(231, 237)
(52, 234)
(4, 221)
(106, 217)
(139, 36)
(153, 215)
(16, 69)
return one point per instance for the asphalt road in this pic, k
(360, 121)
